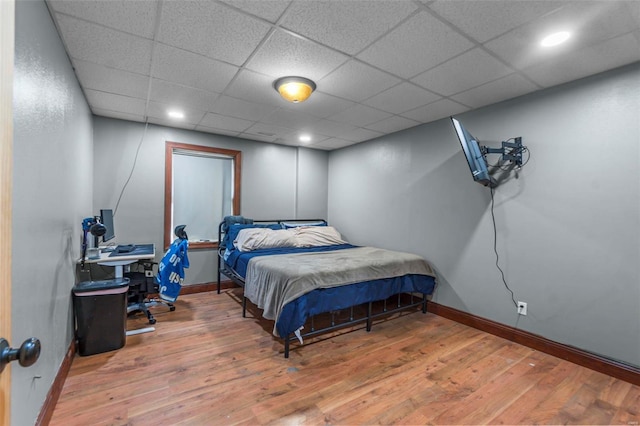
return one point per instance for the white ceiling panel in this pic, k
(454, 76)
(348, 26)
(133, 17)
(118, 103)
(512, 86)
(104, 79)
(160, 110)
(225, 123)
(94, 43)
(356, 81)
(379, 65)
(420, 43)
(360, 115)
(211, 29)
(590, 22)
(286, 54)
(590, 60)
(118, 114)
(179, 96)
(319, 105)
(435, 111)
(486, 19)
(401, 98)
(191, 69)
(238, 108)
(270, 10)
(392, 124)
(254, 87)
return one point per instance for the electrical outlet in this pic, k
(522, 308)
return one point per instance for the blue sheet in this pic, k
(295, 314)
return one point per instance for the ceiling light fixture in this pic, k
(305, 138)
(294, 89)
(555, 39)
(175, 114)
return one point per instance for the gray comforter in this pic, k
(273, 281)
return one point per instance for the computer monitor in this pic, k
(474, 155)
(106, 218)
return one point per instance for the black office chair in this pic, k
(143, 283)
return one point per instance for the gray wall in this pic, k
(52, 179)
(568, 223)
(277, 182)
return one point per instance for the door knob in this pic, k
(26, 355)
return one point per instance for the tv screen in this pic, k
(475, 158)
(106, 218)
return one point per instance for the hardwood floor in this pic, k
(206, 365)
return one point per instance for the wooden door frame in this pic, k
(7, 47)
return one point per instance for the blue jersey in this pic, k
(171, 270)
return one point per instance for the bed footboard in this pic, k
(366, 313)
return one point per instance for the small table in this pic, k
(122, 259)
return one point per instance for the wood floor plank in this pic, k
(206, 365)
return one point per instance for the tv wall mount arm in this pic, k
(510, 151)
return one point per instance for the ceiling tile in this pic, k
(216, 131)
(435, 111)
(590, 22)
(360, 115)
(111, 102)
(211, 29)
(290, 119)
(392, 124)
(117, 114)
(270, 10)
(330, 144)
(588, 61)
(348, 26)
(319, 105)
(401, 98)
(180, 96)
(232, 107)
(406, 52)
(104, 79)
(170, 123)
(284, 54)
(359, 134)
(328, 128)
(356, 81)
(486, 19)
(254, 87)
(507, 87)
(258, 137)
(464, 72)
(225, 123)
(190, 69)
(160, 110)
(94, 43)
(134, 17)
(270, 131)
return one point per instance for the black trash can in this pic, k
(101, 315)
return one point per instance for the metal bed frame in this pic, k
(401, 304)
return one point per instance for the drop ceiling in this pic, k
(380, 66)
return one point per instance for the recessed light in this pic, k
(555, 39)
(175, 114)
(305, 138)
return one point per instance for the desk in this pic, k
(121, 260)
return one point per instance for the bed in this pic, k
(295, 270)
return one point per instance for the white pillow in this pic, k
(257, 238)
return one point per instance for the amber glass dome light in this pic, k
(294, 89)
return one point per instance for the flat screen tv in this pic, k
(474, 155)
